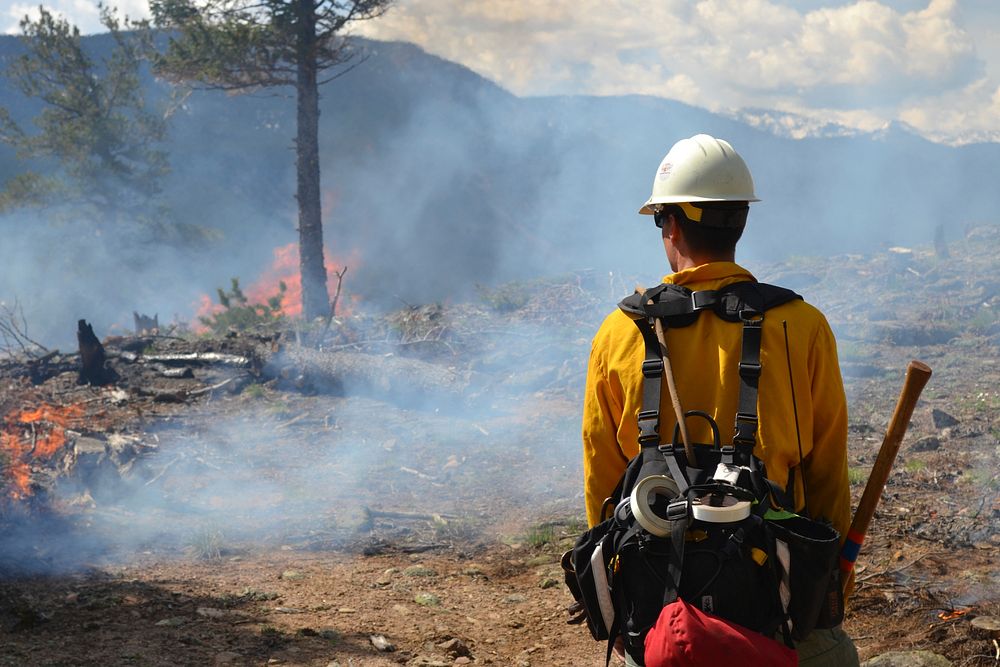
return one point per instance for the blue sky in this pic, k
(932, 64)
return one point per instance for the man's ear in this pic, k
(670, 227)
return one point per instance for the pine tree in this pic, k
(96, 149)
(251, 44)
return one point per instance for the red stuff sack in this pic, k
(685, 636)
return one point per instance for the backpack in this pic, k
(710, 533)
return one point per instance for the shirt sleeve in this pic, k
(603, 460)
(826, 466)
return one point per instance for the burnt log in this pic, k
(405, 381)
(94, 369)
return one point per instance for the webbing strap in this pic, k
(652, 378)
(746, 410)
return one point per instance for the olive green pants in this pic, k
(821, 648)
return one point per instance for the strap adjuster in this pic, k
(746, 429)
(750, 369)
(677, 510)
(652, 368)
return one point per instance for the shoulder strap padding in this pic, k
(680, 306)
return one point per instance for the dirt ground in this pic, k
(272, 525)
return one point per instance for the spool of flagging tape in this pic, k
(644, 495)
(720, 509)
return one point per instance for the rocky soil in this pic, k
(396, 489)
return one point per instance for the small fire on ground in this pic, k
(284, 270)
(32, 435)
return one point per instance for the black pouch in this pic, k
(727, 573)
(587, 576)
(810, 585)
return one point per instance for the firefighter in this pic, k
(699, 203)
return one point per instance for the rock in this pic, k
(515, 598)
(544, 559)
(228, 658)
(292, 575)
(908, 659)
(860, 369)
(928, 444)
(985, 627)
(419, 571)
(463, 660)
(329, 634)
(171, 622)
(381, 644)
(425, 661)
(942, 419)
(455, 647)
(220, 614)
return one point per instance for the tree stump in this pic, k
(93, 360)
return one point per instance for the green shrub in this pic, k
(239, 314)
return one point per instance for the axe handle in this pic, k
(917, 375)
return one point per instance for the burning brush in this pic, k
(31, 436)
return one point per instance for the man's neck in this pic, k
(691, 261)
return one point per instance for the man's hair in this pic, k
(705, 239)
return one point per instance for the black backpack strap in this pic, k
(652, 376)
(745, 435)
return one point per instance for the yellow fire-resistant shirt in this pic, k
(705, 357)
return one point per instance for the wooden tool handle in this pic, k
(917, 375)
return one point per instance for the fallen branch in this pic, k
(165, 469)
(207, 390)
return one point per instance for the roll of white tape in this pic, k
(646, 491)
(729, 511)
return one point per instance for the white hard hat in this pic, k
(700, 169)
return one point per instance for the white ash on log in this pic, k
(191, 359)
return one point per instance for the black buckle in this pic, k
(652, 368)
(751, 317)
(677, 510)
(746, 429)
(749, 369)
(703, 299)
(649, 427)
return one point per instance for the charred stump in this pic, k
(93, 360)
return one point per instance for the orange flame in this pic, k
(30, 435)
(283, 269)
(952, 614)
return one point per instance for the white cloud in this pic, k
(85, 14)
(865, 61)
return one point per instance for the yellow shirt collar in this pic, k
(730, 272)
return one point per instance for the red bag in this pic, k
(685, 636)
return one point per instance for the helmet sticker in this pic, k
(664, 172)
